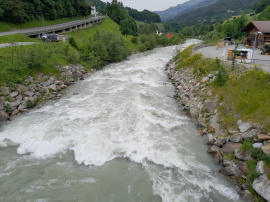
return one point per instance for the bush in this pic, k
(247, 145)
(259, 155)
(134, 40)
(73, 42)
(149, 41)
(221, 77)
(142, 47)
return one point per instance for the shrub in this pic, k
(247, 145)
(142, 47)
(134, 40)
(73, 42)
(221, 77)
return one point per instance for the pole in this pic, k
(254, 47)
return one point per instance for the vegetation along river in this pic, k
(116, 136)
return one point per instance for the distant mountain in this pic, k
(219, 10)
(183, 8)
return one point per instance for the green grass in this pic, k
(9, 27)
(17, 38)
(247, 145)
(106, 25)
(248, 94)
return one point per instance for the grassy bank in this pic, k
(17, 38)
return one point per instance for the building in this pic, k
(260, 30)
(94, 11)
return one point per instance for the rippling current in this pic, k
(116, 136)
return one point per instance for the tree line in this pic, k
(21, 11)
(145, 16)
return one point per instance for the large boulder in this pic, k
(220, 141)
(249, 134)
(266, 149)
(243, 155)
(263, 137)
(14, 94)
(243, 126)
(229, 148)
(4, 116)
(22, 88)
(213, 149)
(236, 138)
(233, 170)
(262, 186)
(5, 90)
(260, 167)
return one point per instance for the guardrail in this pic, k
(54, 28)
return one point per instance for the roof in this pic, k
(262, 26)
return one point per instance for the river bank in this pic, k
(227, 145)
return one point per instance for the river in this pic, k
(116, 136)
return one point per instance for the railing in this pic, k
(53, 28)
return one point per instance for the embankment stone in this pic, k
(266, 149)
(260, 167)
(243, 155)
(262, 186)
(229, 148)
(243, 126)
(4, 116)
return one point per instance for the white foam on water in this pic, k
(125, 111)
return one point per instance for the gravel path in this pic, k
(212, 51)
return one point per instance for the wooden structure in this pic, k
(257, 26)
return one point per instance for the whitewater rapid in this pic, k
(123, 128)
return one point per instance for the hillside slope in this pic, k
(183, 8)
(222, 9)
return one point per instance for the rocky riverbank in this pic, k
(18, 99)
(226, 145)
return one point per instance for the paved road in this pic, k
(212, 51)
(3, 45)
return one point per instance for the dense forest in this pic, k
(222, 9)
(145, 15)
(100, 5)
(21, 11)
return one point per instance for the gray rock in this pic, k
(19, 97)
(220, 141)
(22, 106)
(247, 196)
(29, 93)
(229, 148)
(249, 134)
(2, 106)
(263, 137)
(233, 170)
(213, 149)
(236, 138)
(210, 138)
(194, 112)
(266, 149)
(22, 88)
(260, 167)
(243, 126)
(245, 186)
(15, 104)
(262, 186)
(5, 90)
(243, 155)
(53, 87)
(210, 107)
(205, 79)
(14, 94)
(257, 145)
(57, 82)
(4, 116)
(227, 162)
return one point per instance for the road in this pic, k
(263, 61)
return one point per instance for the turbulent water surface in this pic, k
(120, 137)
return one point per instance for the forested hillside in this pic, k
(145, 15)
(183, 8)
(213, 13)
(21, 11)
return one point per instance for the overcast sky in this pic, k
(152, 5)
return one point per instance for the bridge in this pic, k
(58, 28)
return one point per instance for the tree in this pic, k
(128, 27)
